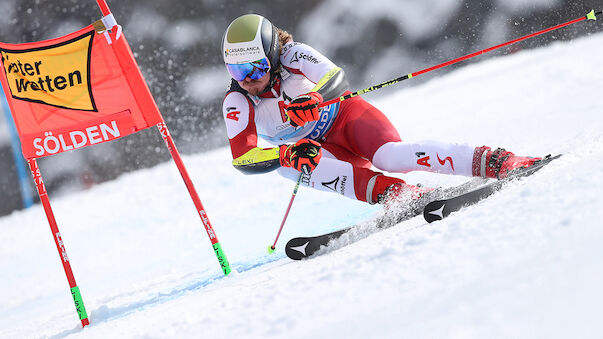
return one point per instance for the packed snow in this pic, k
(525, 263)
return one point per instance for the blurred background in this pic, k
(177, 46)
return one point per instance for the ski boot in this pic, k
(400, 200)
(498, 163)
(388, 190)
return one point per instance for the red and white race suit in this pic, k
(355, 135)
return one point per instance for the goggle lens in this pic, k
(253, 70)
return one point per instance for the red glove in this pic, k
(304, 155)
(304, 109)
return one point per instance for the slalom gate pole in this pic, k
(222, 260)
(123, 48)
(75, 290)
(592, 15)
(273, 247)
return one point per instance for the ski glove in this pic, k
(304, 109)
(304, 155)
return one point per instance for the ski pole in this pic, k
(592, 15)
(272, 247)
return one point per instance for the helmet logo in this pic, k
(242, 51)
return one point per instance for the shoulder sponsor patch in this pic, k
(304, 56)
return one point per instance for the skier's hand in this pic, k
(304, 155)
(304, 108)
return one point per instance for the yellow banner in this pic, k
(57, 75)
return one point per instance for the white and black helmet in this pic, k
(249, 38)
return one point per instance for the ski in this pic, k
(434, 206)
(303, 247)
(440, 209)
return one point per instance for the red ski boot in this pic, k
(498, 163)
(387, 190)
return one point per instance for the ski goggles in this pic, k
(254, 70)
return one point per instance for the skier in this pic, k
(277, 85)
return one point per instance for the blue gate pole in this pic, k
(16, 146)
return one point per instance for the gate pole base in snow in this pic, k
(75, 290)
(165, 133)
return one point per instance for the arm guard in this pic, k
(332, 85)
(258, 160)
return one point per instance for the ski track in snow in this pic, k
(524, 263)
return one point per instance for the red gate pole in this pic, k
(137, 81)
(102, 4)
(165, 133)
(75, 290)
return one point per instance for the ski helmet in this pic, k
(249, 38)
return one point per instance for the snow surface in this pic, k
(525, 263)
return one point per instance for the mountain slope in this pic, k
(524, 263)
